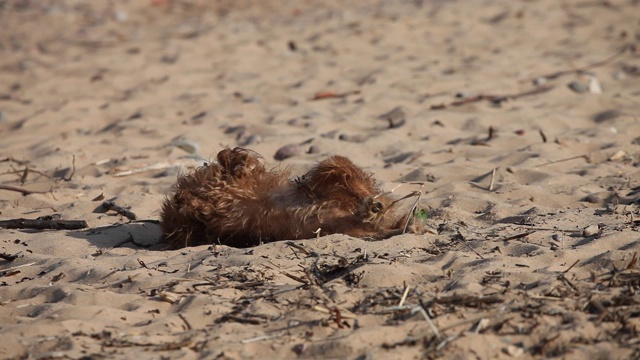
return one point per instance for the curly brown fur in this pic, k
(238, 202)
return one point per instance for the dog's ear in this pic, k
(239, 162)
(339, 177)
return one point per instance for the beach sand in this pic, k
(518, 121)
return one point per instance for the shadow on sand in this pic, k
(138, 234)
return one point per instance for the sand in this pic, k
(516, 120)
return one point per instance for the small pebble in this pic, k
(590, 230)
(619, 75)
(578, 86)
(594, 85)
(606, 115)
(620, 154)
(599, 197)
(396, 123)
(288, 151)
(330, 135)
(186, 31)
(170, 58)
(250, 100)
(297, 122)
(396, 117)
(353, 138)
(240, 129)
(539, 81)
(632, 70)
(250, 140)
(121, 16)
(402, 157)
(514, 351)
(417, 175)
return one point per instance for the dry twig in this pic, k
(496, 99)
(21, 190)
(611, 58)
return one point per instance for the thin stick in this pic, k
(434, 245)
(543, 136)
(539, 228)
(21, 190)
(10, 159)
(444, 342)
(157, 166)
(557, 74)
(189, 327)
(395, 188)
(571, 267)
(423, 309)
(493, 175)
(28, 170)
(550, 298)
(333, 95)
(260, 338)
(519, 236)
(472, 249)
(404, 295)
(493, 98)
(562, 160)
(20, 266)
(413, 209)
(73, 169)
(471, 320)
(299, 247)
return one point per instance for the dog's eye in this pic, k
(376, 207)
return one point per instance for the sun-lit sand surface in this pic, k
(517, 121)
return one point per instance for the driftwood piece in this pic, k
(43, 224)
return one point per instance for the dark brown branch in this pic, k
(110, 205)
(43, 224)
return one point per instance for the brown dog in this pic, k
(238, 202)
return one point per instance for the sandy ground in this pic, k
(518, 121)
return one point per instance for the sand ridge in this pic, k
(111, 101)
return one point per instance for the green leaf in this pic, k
(421, 215)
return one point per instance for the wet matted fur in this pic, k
(238, 202)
